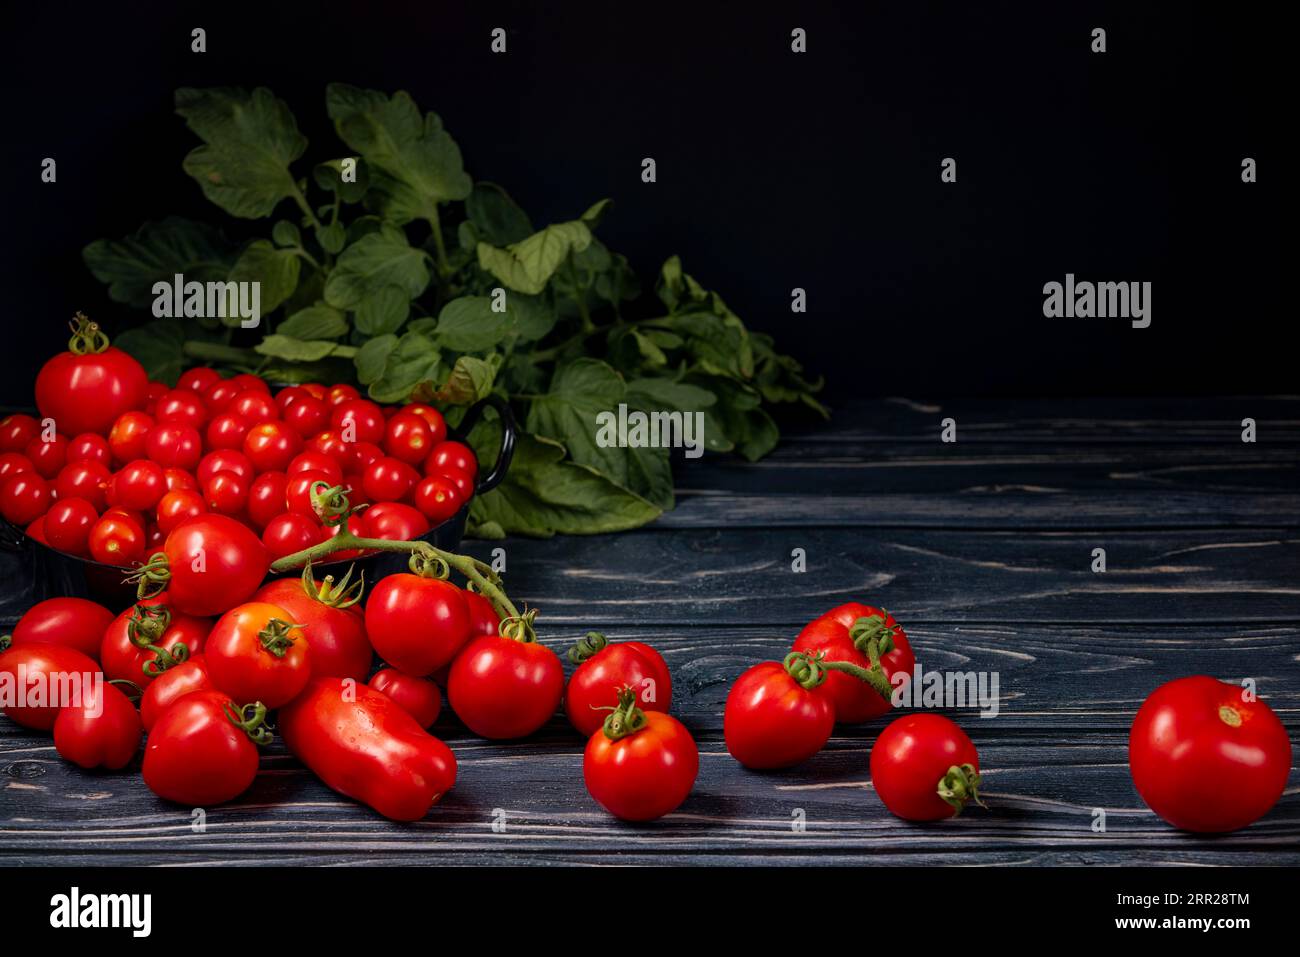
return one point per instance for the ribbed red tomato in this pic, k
(603, 670)
(332, 623)
(850, 633)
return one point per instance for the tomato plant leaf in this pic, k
(526, 266)
(383, 311)
(373, 262)
(471, 379)
(302, 350)
(276, 270)
(157, 252)
(469, 324)
(412, 360)
(320, 321)
(495, 216)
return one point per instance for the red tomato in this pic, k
(418, 697)
(335, 629)
(417, 624)
(845, 634)
(103, 732)
(255, 406)
(128, 436)
(68, 524)
(178, 479)
(463, 481)
(360, 456)
(174, 446)
(408, 437)
(640, 765)
(483, 618)
(87, 389)
(453, 455)
(29, 673)
(181, 407)
(1205, 757)
(271, 446)
(89, 447)
(312, 461)
(36, 531)
(220, 394)
(199, 379)
(501, 687)
(213, 563)
(146, 640)
(227, 431)
(437, 498)
(925, 768)
(85, 480)
(314, 389)
(291, 532)
(774, 718)
(388, 479)
(358, 420)
(71, 622)
(394, 522)
(225, 460)
(246, 380)
(297, 492)
(116, 540)
(11, 463)
(200, 752)
(226, 493)
(437, 424)
(256, 652)
(153, 391)
(174, 683)
(24, 497)
(175, 507)
(16, 431)
(329, 443)
(266, 498)
(306, 415)
(125, 514)
(47, 458)
(604, 670)
(338, 394)
(288, 396)
(139, 485)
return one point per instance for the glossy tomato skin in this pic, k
(16, 431)
(644, 775)
(438, 498)
(501, 688)
(358, 420)
(47, 458)
(178, 506)
(122, 659)
(291, 532)
(408, 437)
(483, 618)
(104, 732)
(245, 665)
(68, 524)
(173, 445)
(86, 393)
(1205, 759)
(129, 436)
(88, 480)
(336, 636)
(138, 485)
(909, 760)
(52, 662)
(394, 522)
(417, 624)
(266, 498)
(11, 463)
(271, 446)
(235, 562)
(196, 755)
(772, 721)
(853, 699)
(307, 415)
(117, 540)
(595, 683)
(24, 497)
(418, 697)
(71, 622)
(174, 683)
(89, 447)
(227, 431)
(388, 479)
(198, 380)
(451, 454)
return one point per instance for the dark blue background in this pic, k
(775, 170)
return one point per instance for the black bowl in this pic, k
(53, 573)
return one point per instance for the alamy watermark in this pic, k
(208, 300)
(635, 429)
(37, 688)
(947, 689)
(1098, 300)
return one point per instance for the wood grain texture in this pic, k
(981, 549)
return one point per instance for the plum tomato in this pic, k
(71, 622)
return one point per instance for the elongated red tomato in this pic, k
(640, 765)
(257, 653)
(40, 679)
(150, 638)
(203, 749)
(850, 633)
(503, 687)
(72, 622)
(102, 732)
(417, 624)
(418, 697)
(332, 622)
(924, 768)
(86, 388)
(774, 718)
(363, 745)
(189, 675)
(211, 563)
(1206, 756)
(603, 670)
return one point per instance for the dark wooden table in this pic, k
(982, 549)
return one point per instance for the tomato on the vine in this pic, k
(202, 749)
(256, 652)
(640, 765)
(146, 640)
(298, 489)
(1207, 756)
(418, 624)
(503, 687)
(603, 670)
(331, 621)
(852, 633)
(418, 697)
(86, 388)
(209, 563)
(924, 768)
(774, 718)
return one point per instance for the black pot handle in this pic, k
(492, 479)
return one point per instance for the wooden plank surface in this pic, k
(982, 549)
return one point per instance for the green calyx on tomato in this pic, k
(342, 594)
(148, 625)
(87, 337)
(625, 719)
(874, 637)
(252, 724)
(960, 786)
(809, 671)
(588, 646)
(275, 636)
(330, 503)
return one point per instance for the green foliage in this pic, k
(384, 262)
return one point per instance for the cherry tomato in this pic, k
(291, 532)
(177, 506)
(254, 406)
(213, 563)
(16, 431)
(418, 697)
(845, 633)
(437, 424)
(271, 446)
(358, 420)
(182, 407)
(924, 768)
(417, 624)
(85, 480)
(131, 516)
(103, 732)
(312, 461)
(338, 394)
(89, 447)
(246, 380)
(220, 394)
(297, 491)
(453, 455)
(87, 389)
(178, 479)
(388, 479)
(71, 622)
(640, 765)
(129, 435)
(502, 687)
(1208, 757)
(306, 415)
(256, 652)
(225, 460)
(227, 431)
(437, 498)
(11, 463)
(408, 437)
(329, 443)
(36, 531)
(394, 522)
(47, 458)
(24, 497)
(138, 485)
(153, 391)
(149, 638)
(198, 380)
(200, 752)
(603, 670)
(288, 396)
(189, 675)
(68, 524)
(314, 389)
(360, 456)
(773, 718)
(463, 481)
(226, 493)
(174, 446)
(266, 498)
(29, 671)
